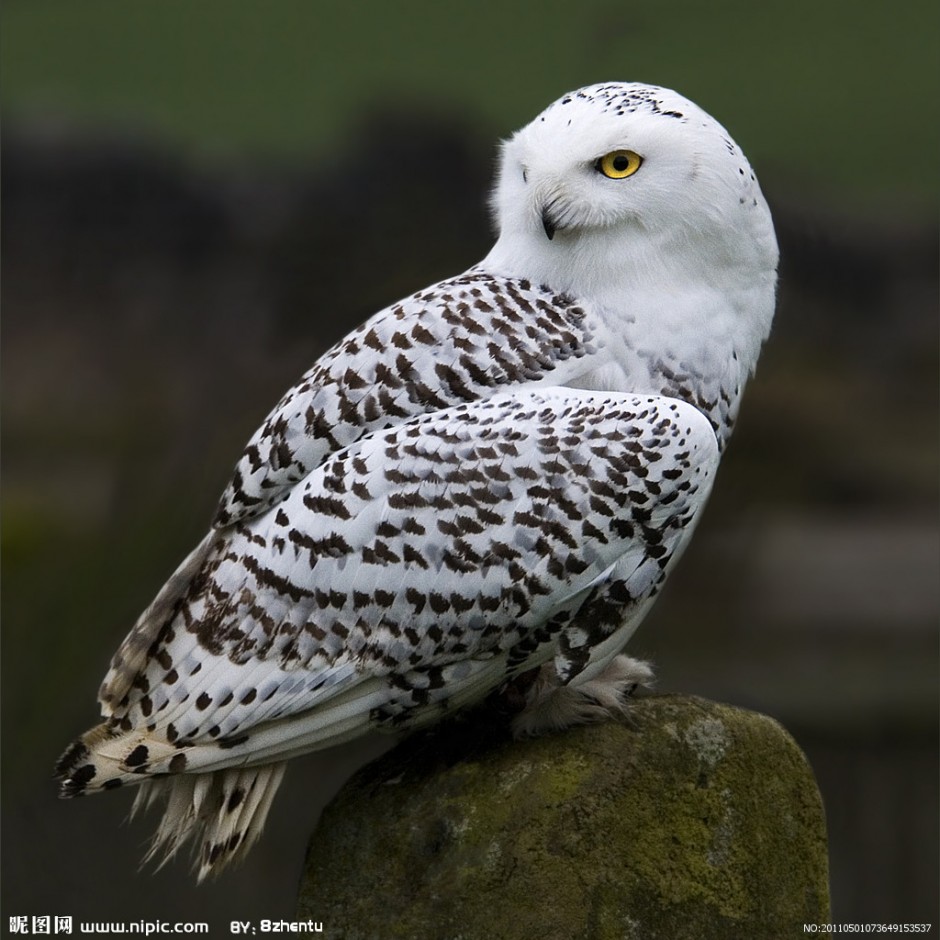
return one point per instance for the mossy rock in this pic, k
(693, 821)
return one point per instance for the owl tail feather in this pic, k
(106, 757)
(223, 812)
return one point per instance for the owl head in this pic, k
(621, 169)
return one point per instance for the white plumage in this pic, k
(481, 488)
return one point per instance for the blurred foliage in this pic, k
(836, 92)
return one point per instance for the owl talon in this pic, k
(552, 706)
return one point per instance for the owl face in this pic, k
(622, 157)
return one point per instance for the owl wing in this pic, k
(414, 571)
(460, 340)
(457, 341)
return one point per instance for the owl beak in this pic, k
(548, 223)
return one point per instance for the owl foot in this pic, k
(551, 706)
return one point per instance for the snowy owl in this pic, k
(481, 489)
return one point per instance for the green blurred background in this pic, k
(837, 94)
(199, 197)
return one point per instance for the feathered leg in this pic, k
(551, 706)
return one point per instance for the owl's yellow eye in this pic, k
(619, 164)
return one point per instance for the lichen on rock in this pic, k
(690, 820)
